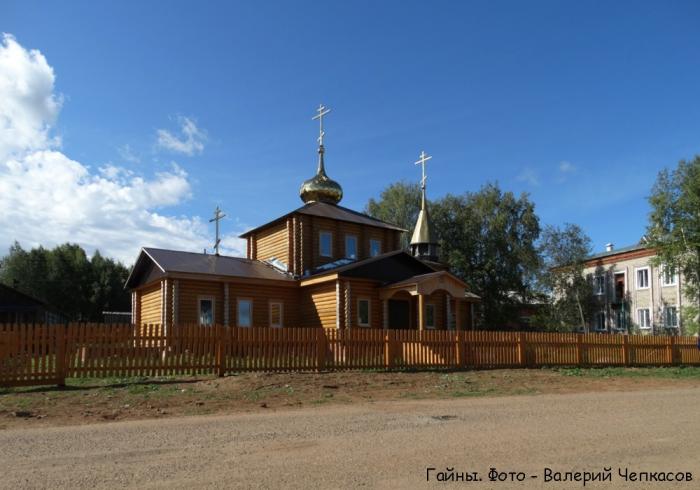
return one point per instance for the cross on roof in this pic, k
(218, 216)
(322, 111)
(422, 160)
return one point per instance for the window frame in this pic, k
(238, 312)
(379, 249)
(270, 303)
(434, 308)
(666, 308)
(369, 313)
(354, 238)
(329, 234)
(639, 322)
(637, 270)
(206, 297)
(601, 291)
(605, 321)
(674, 277)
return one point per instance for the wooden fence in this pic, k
(48, 354)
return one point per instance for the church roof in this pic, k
(331, 211)
(200, 263)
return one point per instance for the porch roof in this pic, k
(429, 283)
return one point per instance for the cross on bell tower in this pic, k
(424, 245)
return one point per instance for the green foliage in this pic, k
(564, 251)
(398, 204)
(674, 222)
(690, 319)
(65, 278)
(487, 238)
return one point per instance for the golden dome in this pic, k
(321, 188)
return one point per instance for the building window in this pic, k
(245, 312)
(350, 247)
(643, 278)
(668, 276)
(671, 316)
(644, 318)
(375, 247)
(429, 315)
(599, 285)
(276, 312)
(363, 312)
(325, 244)
(599, 321)
(620, 320)
(206, 310)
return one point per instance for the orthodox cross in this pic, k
(218, 216)
(322, 111)
(423, 159)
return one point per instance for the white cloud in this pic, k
(529, 176)
(191, 142)
(47, 198)
(566, 167)
(128, 155)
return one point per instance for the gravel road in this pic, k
(374, 445)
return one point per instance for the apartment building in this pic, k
(632, 295)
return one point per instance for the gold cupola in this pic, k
(424, 245)
(321, 188)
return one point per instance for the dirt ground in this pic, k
(103, 400)
(380, 444)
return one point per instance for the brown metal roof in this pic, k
(331, 211)
(199, 263)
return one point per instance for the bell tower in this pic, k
(424, 245)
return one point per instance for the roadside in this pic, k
(88, 401)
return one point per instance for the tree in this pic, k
(65, 278)
(398, 204)
(674, 223)
(564, 252)
(488, 240)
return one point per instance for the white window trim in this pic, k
(238, 312)
(636, 277)
(357, 253)
(269, 308)
(595, 284)
(664, 316)
(431, 327)
(369, 312)
(213, 310)
(320, 243)
(605, 321)
(651, 320)
(379, 241)
(663, 279)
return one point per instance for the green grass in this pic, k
(683, 372)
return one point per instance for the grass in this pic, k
(682, 372)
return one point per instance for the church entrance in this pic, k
(399, 314)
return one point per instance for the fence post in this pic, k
(669, 350)
(61, 354)
(388, 354)
(522, 359)
(459, 354)
(579, 349)
(320, 349)
(220, 367)
(625, 350)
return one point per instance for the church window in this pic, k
(350, 246)
(325, 239)
(245, 312)
(363, 312)
(275, 313)
(206, 310)
(375, 247)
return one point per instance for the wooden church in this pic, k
(321, 265)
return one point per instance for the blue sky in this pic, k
(579, 104)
